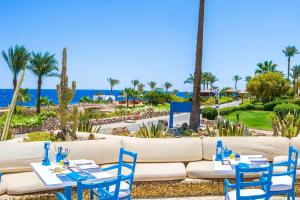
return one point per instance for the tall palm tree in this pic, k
(112, 83)
(42, 66)
(295, 75)
(194, 117)
(167, 86)
(135, 83)
(266, 66)
(17, 59)
(152, 85)
(205, 79)
(24, 96)
(247, 78)
(140, 88)
(212, 79)
(189, 80)
(236, 78)
(290, 51)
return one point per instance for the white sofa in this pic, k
(173, 159)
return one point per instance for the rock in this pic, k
(121, 131)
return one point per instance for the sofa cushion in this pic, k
(156, 171)
(205, 170)
(165, 150)
(23, 183)
(2, 187)
(266, 146)
(279, 159)
(101, 151)
(16, 157)
(295, 142)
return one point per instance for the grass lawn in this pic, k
(253, 119)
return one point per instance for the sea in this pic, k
(6, 95)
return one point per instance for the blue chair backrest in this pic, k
(263, 183)
(128, 165)
(103, 187)
(292, 163)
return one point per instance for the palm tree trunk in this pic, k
(289, 63)
(194, 117)
(38, 101)
(15, 83)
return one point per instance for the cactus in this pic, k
(5, 133)
(225, 128)
(75, 118)
(287, 126)
(65, 95)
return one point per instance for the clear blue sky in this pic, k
(149, 39)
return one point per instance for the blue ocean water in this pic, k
(6, 95)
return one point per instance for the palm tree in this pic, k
(135, 83)
(194, 117)
(205, 79)
(290, 51)
(189, 80)
(295, 74)
(266, 66)
(212, 79)
(167, 86)
(24, 96)
(16, 58)
(247, 78)
(236, 78)
(112, 83)
(140, 88)
(42, 66)
(152, 85)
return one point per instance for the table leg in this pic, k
(68, 192)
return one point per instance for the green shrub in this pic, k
(271, 105)
(224, 99)
(228, 110)
(40, 136)
(284, 109)
(247, 106)
(296, 101)
(157, 97)
(258, 107)
(209, 113)
(210, 101)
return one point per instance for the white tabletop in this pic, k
(229, 169)
(50, 179)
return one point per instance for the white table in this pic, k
(230, 169)
(51, 180)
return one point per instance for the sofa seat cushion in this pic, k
(244, 193)
(2, 187)
(23, 183)
(156, 171)
(205, 170)
(280, 183)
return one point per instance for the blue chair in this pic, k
(284, 183)
(126, 178)
(259, 189)
(101, 187)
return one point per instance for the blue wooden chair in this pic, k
(284, 183)
(126, 178)
(101, 187)
(259, 189)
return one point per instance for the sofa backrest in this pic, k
(16, 157)
(101, 151)
(266, 146)
(164, 150)
(295, 142)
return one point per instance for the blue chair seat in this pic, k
(280, 183)
(124, 189)
(244, 193)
